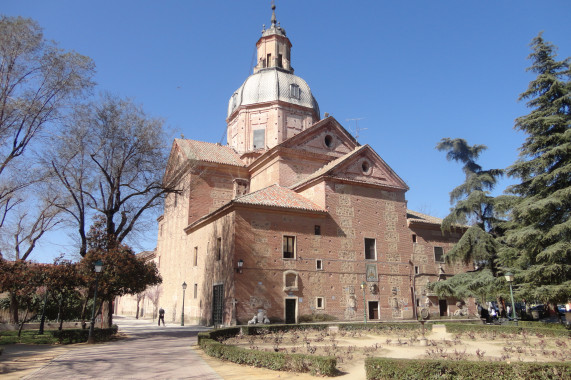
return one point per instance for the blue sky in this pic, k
(414, 71)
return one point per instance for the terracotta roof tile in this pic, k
(417, 217)
(209, 152)
(329, 166)
(277, 196)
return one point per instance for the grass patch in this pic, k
(67, 336)
(27, 337)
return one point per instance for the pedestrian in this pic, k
(161, 316)
(509, 309)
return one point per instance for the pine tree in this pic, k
(472, 204)
(539, 231)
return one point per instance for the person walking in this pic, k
(161, 316)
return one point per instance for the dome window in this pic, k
(294, 91)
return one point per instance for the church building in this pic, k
(293, 219)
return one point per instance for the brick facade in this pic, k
(319, 222)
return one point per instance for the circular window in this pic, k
(328, 141)
(366, 167)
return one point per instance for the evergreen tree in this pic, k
(472, 205)
(539, 231)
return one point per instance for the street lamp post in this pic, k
(98, 267)
(364, 286)
(510, 278)
(182, 315)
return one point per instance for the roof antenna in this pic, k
(357, 129)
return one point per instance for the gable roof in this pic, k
(278, 196)
(209, 152)
(295, 140)
(337, 163)
(274, 196)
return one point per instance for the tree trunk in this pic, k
(137, 313)
(43, 319)
(109, 314)
(60, 316)
(13, 309)
(22, 324)
(83, 311)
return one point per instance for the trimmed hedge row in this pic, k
(384, 368)
(461, 328)
(81, 335)
(406, 326)
(316, 365)
(556, 326)
(257, 329)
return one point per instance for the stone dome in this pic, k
(273, 84)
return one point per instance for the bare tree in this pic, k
(26, 226)
(38, 82)
(109, 160)
(154, 294)
(140, 298)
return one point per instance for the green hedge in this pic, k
(383, 368)
(257, 329)
(546, 325)
(461, 328)
(408, 326)
(81, 335)
(316, 318)
(316, 365)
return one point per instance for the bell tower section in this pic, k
(273, 104)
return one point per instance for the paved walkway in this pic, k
(148, 352)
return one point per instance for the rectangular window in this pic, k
(319, 264)
(317, 230)
(280, 60)
(416, 270)
(413, 238)
(439, 254)
(195, 291)
(195, 256)
(218, 248)
(370, 249)
(259, 138)
(319, 303)
(269, 60)
(294, 91)
(289, 247)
